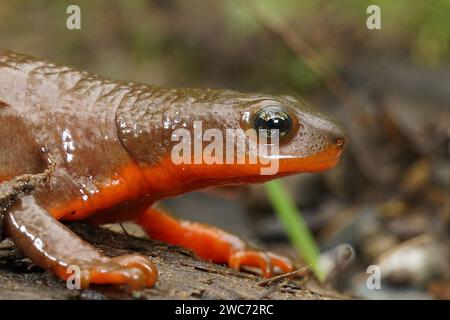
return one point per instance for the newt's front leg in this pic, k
(211, 243)
(51, 245)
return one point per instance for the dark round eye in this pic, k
(273, 118)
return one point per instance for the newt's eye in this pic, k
(273, 118)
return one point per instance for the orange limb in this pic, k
(52, 245)
(211, 243)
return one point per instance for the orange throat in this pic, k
(168, 179)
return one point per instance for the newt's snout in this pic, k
(314, 144)
(334, 135)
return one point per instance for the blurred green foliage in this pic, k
(220, 43)
(295, 226)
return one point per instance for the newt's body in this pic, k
(111, 145)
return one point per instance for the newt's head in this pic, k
(308, 141)
(210, 137)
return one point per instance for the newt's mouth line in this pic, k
(318, 158)
(195, 147)
(333, 152)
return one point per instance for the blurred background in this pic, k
(387, 202)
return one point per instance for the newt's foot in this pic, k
(133, 270)
(267, 262)
(211, 243)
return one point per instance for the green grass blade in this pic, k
(295, 226)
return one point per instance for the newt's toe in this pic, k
(267, 262)
(148, 269)
(133, 270)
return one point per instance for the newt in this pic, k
(109, 144)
